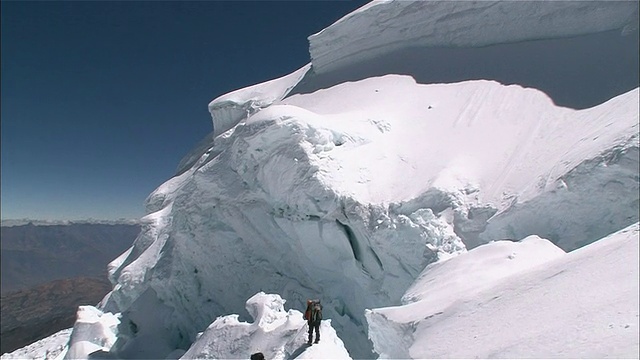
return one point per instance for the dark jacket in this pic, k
(312, 316)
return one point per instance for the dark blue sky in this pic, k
(101, 100)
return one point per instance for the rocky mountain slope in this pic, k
(34, 313)
(49, 270)
(36, 254)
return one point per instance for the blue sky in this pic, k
(101, 100)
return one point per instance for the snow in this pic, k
(382, 27)
(52, 347)
(276, 333)
(532, 166)
(369, 194)
(583, 304)
(456, 125)
(229, 109)
(94, 331)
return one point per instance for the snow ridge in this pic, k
(442, 284)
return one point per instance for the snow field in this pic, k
(582, 304)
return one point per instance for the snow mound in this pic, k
(590, 296)
(381, 27)
(275, 333)
(444, 283)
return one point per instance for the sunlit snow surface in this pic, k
(583, 304)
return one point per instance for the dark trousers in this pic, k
(317, 327)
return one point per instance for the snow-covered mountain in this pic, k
(369, 193)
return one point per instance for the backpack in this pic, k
(316, 312)
(313, 313)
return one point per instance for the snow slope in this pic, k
(583, 304)
(348, 193)
(491, 148)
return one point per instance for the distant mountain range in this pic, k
(48, 271)
(18, 222)
(33, 255)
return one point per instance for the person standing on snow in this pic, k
(313, 315)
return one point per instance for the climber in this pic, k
(313, 315)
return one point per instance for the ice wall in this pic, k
(385, 26)
(578, 53)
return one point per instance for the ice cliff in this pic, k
(383, 27)
(349, 192)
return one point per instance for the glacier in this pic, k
(381, 191)
(322, 223)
